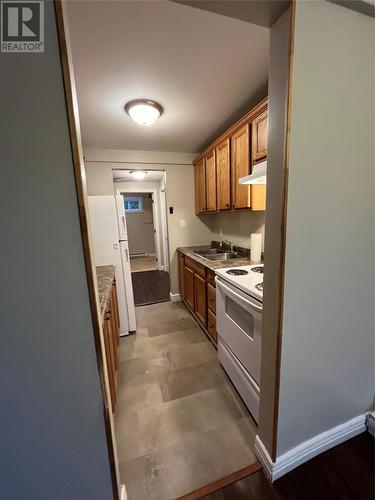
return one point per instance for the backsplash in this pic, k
(237, 227)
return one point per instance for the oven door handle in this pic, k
(237, 296)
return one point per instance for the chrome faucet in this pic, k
(227, 242)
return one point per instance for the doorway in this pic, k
(145, 212)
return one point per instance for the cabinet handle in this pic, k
(227, 205)
(107, 315)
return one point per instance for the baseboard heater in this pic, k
(371, 423)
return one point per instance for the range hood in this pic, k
(259, 175)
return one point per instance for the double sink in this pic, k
(216, 254)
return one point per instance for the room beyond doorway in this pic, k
(141, 263)
(146, 220)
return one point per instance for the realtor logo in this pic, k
(22, 26)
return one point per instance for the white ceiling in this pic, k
(125, 176)
(204, 68)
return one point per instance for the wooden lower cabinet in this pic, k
(211, 325)
(199, 293)
(211, 298)
(200, 299)
(111, 334)
(189, 287)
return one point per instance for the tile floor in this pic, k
(179, 422)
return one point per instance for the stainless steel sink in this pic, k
(209, 251)
(217, 254)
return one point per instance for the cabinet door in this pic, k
(200, 187)
(211, 325)
(115, 312)
(210, 163)
(223, 175)
(259, 134)
(200, 304)
(240, 168)
(189, 287)
(107, 333)
(181, 274)
(211, 298)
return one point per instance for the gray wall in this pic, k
(140, 229)
(327, 361)
(237, 227)
(52, 434)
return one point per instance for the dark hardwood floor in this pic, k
(345, 472)
(150, 287)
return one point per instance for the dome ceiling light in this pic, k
(139, 175)
(144, 111)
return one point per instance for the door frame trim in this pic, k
(155, 212)
(80, 181)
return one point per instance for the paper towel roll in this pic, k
(256, 247)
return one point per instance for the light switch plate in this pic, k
(182, 223)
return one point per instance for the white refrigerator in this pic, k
(109, 240)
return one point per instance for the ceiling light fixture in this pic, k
(144, 111)
(139, 175)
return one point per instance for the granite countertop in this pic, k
(105, 276)
(214, 264)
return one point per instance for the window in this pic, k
(133, 204)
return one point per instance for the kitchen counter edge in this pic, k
(214, 265)
(105, 276)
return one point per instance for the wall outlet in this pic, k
(182, 223)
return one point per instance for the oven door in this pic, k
(239, 325)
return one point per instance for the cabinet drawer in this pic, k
(211, 325)
(211, 277)
(196, 267)
(211, 298)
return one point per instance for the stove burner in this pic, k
(259, 286)
(237, 272)
(258, 269)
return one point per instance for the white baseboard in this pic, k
(175, 297)
(124, 496)
(371, 423)
(308, 449)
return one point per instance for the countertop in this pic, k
(214, 264)
(105, 276)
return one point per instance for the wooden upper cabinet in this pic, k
(200, 186)
(241, 197)
(230, 157)
(210, 185)
(223, 175)
(259, 133)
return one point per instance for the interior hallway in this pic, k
(179, 422)
(143, 263)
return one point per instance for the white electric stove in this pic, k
(239, 304)
(249, 279)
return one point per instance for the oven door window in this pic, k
(240, 316)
